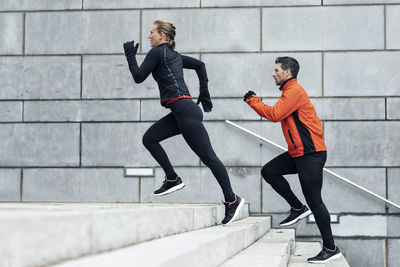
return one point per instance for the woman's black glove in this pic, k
(130, 50)
(205, 99)
(248, 95)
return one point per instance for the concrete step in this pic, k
(206, 247)
(41, 234)
(273, 250)
(305, 250)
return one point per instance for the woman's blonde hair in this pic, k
(168, 28)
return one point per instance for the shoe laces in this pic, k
(321, 252)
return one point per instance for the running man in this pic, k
(306, 152)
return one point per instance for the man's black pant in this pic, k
(309, 168)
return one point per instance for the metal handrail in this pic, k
(326, 170)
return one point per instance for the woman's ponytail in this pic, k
(168, 28)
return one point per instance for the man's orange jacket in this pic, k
(300, 124)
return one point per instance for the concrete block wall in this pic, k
(71, 117)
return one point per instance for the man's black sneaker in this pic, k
(295, 216)
(169, 186)
(232, 210)
(326, 255)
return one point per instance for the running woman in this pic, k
(306, 152)
(166, 66)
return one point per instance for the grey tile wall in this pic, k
(192, 192)
(340, 197)
(201, 186)
(353, 2)
(11, 33)
(238, 3)
(393, 105)
(341, 28)
(107, 4)
(394, 247)
(205, 30)
(393, 224)
(235, 74)
(10, 184)
(40, 77)
(119, 144)
(350, 108)
(188, 28)
(354, 250)
(368, 226)
(393, 27)
(17, 5)
(10, 111)
(336, 194)
(362, 143)
(39, 144)
(303, 33)
(375, 76)
(109, 77)
(225, 140)
(68, 102)
(393, 180)
(80, 32)
(273, 132)
(79, 185)
(151, 110)
(329, 28)
(231, 109)
(97, 110)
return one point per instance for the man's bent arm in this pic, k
(286, 105)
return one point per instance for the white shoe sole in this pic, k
(172, 189)
(302, 216)
(334, 257)
(242, 200)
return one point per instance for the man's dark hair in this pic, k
(289, 63)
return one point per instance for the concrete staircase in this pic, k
(143, 235)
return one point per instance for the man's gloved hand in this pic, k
(248, 95)
(130, 48)
(205, 100)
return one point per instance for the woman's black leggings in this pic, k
(186, 119)
(309, 168)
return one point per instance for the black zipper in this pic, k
(291, 138)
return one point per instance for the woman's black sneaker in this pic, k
(169, 186)
(295, 216)
(326, 255)
(232, 210)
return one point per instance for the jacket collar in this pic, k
(288, 83)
